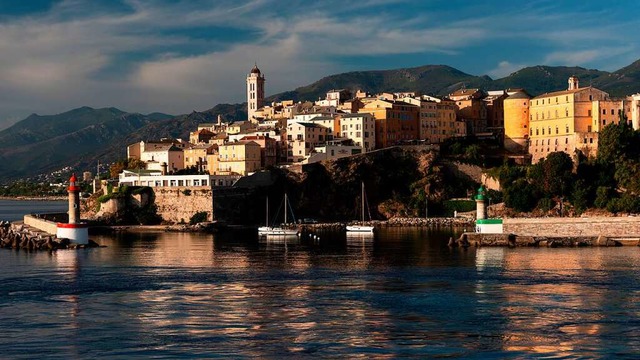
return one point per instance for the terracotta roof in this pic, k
(563, 92)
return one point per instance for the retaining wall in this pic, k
(559, 227)
(174, 205)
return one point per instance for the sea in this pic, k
(401, 293)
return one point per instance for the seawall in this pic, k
(573, 227)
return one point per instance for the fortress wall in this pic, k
(559, 227)
(177, 204)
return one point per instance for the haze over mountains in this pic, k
(80, 137)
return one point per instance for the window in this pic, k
(588, 112)
(604, 111)
(604, 122)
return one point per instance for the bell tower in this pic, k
(255, 91)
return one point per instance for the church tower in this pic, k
(255, 91)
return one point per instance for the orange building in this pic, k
(396, 121)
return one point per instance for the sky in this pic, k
(175, 56)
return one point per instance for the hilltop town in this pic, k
(345, 124)
(348, 123)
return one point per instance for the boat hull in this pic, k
(276, 231)
(359, 229)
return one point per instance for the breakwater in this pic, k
(608, 226)
(512, 240)
(21, 237)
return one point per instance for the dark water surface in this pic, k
(12, 210)
(403, 293)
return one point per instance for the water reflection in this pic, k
(556, 301)
(402, 293)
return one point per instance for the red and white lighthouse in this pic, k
(76, 231)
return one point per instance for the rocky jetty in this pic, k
(433, 222)
(21, 237)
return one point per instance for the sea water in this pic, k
(401, 293)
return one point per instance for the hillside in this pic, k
(442, 80)
(40, 144)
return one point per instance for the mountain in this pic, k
(81, 137)
(429, 79)
(442, 80)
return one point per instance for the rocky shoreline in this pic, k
(21, 237)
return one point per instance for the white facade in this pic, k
(302, 137)
(255, 92)
(331, 152)
(167, 154)
(156, 179)
(360, 128)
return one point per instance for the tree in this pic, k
(617, 142)
(553, 176)
(116, 168)
(520, 196)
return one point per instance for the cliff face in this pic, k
(397, 180)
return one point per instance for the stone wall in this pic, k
(178, 204)
(559, 227)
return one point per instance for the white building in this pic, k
(361, 128)
(332, 151)
(302, 137)
(156, 179)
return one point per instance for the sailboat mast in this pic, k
(285, 208)
(267, 213)
(362, 196)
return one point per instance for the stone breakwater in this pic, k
(396, 222)
(512, 240)
(20, 237)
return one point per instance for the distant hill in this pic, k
(40, 144)
(443, 80)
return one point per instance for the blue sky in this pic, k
(177, 56)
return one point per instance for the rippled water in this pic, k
(402, 294)
(12, 210)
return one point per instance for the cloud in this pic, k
(505, 68)
(144, 55)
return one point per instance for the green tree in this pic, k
(520, 196)
(580, 196)
(617, 142)
(553, 175)
(603, 195)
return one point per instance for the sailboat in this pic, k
(362, 228)
(277, 230)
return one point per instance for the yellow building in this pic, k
(471, 109)
(438, 121)
(241, 157)
(516, 122)
(202, 157)
(563, 121)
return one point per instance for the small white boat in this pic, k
(273, 231)
(361, 228)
